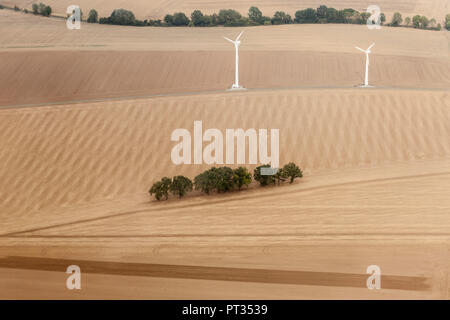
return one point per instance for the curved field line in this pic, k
(197, 93)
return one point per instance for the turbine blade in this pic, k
(360, 49)
(229, 40)
(239, 36)
(371, 46)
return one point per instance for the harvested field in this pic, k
(375, 166)
(43, 77)
(24, 32)
(74, 172)
(45, 62)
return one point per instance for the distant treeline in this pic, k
(40, 8)
(232, 18)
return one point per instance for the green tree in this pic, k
(44, 10)
(292, 171)
(420, 22)
(243, 21)
(214, 19)
(306, 16)
(424, 22)
(35, 8)
(180, 186)
(47, 11)
(351, 16)
(168, 19)
(334, 16)
(280, 176)
(281, 17)
(242, 177)
(433, 23)
(255, 15)
(382, 18)
(416, 21)
(161, 188)
(228, 16)
(122, 17)
(447, 22)
(396, 19)
(206, 181)
(197, 18)
(363, 17)
(263, 180)
(154, 23)
(180, 19)
(407, 21)
(322, 12)
(225, 181)
(139, 23)
(93, 16)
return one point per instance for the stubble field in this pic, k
(84, 136)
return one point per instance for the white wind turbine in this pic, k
(236, 43)
(367, 52)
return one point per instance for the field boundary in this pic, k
(212, 92)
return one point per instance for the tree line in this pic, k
(223, 179)
(41, 9)
(232, 18)
(418, 22)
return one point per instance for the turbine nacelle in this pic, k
(236, 42)
(368, 49)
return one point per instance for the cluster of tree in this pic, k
(289, 172)
(423, 22)
(418, 21)
(42, 9)
(324, 14)
(92, 16)
(222, 179)
(122, 17)
(178, 186)
(229, 17)
(447, 22)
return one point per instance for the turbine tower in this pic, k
(367, 52)
(236, 43)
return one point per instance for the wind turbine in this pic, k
(236, 43)
(367, 52)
